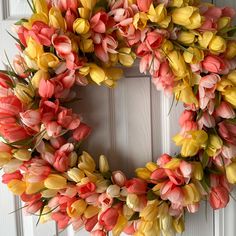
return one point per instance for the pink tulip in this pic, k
(5, 80)
(98, 233)
(219, 197)
(61, 162)
(68, 120)
(46, 88)
(118, 178)
(91, 222)
(143, 50)
(57, 142)
(144, 5)
(109, 218)
(227, 131)
(53, 129)
(213, 13)
(228, 151)
(68, 4)
(105, 201)
(10, 106)
(62, 44)
(208, 25)
(33, 207)
(206, 120)
(136, 186)
(62, 219)
(193, 207)
(158, 174)
(175, 176)
(20, 66)
(163, 159)
(30, 118)
(86, 190)
(228, 12)
(82, 132)
(174, 195)
(186, 116)
(22, 33)
(186, 169)
(225, 110)
(149, 63)
(213, 64)
(5, 148)
(154, 40)
(6, 178)
(98, 22)
(129, 229)
(67, 79)
(70, 17)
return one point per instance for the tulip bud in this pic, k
(193, 55)
(33, 49)
(86, 162)
(126, 57)
(113, 191)
(76, 209)
(91, 211)
(214, 144)
(186, 37)
(81, 26)
(24, 93)
(158, 14)
(32, 188)
(84, 12)
(230, 96)
(5, 157)
(22, 154)
(102, 185)
(217, 45)
(86, 45)
(103, 164)
(46, 216)
(231, 173)
(132, 201)
(144, 5)
(89, 4)
(232, 77)
(97, 74)
(55, 181)
(118, 178)
(73, 158)
(230, 50)
(49, 193)
(172, 164)
(143, 173)
(76, 174)
(197, 170)
(150, 211)
(17, 187)
(177, 63)
(224, 22)
(179, 225)
(140, 20)
(56, 19)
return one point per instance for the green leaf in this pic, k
(24, 142)
(21, 21)
(204, 184)
(135, 216)
(199, 115)
(151, 195)
(17, 40)
(205, 159)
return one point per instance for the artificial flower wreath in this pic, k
(189, 49)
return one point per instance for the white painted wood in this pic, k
(14, 6)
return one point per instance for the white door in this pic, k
(131, 127)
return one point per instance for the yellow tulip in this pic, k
(192, 143)
(81, 26)
(132, 201)
(149, 228)
(5, 157)
(177, 63)
(143, 173)
(151, 166)
(91, 211)
(41, 6)
(55, 181)
(176, 3)
(24, 93)
(77, 208)
(231, 50)
(214, 144)
(232, 77)
(193, 55)
(86, 45)
(223, 22)
(157, 14)
(126, 57)
(197, 170)
(112, 75)
(120, 225)
(42, 17)
(191, 194)
(186, 37)
(32, 188)
(140, 20)
(22, 154)
(47, 60)
(33, 49)
(46, 215)
(49, 193)
(167, 47)
(184, 93)
(17, 187)
(224, 84)
(150, 212)
(56, 19)
(179, 225)
(38, 76)
(103, 164)
(96, 73)
(188, 17)
(84, 12)
(173, 164)
(229, 95)
(231, 173)
(205, 39)
(76, 174)
(89, 4)
(86, 162)
(217, 45)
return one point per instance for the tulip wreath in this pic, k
(187, 47)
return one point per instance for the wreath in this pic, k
(187, 47)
